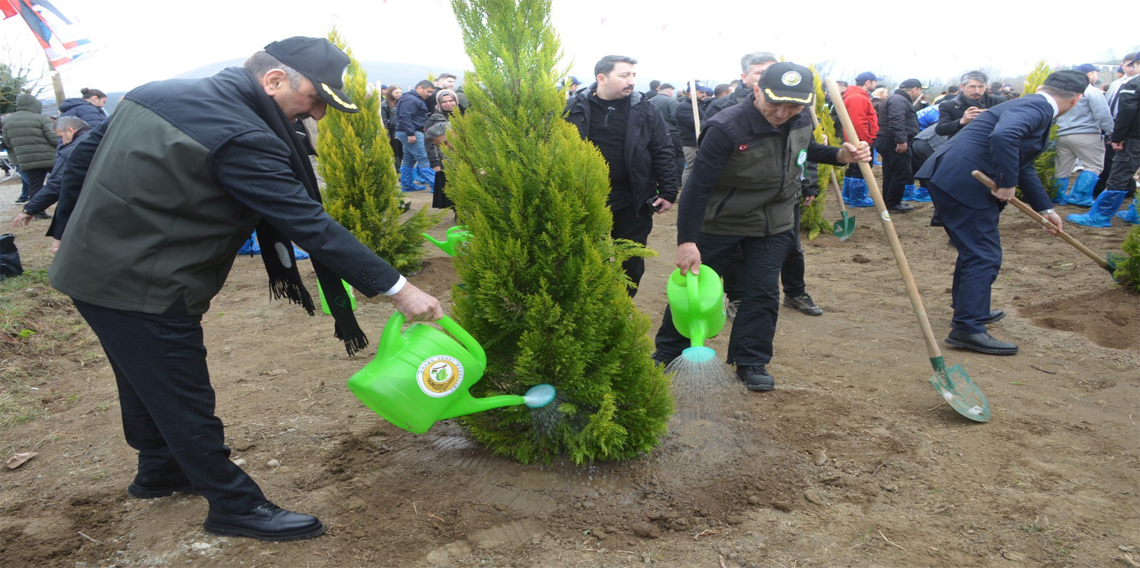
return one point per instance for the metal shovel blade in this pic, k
(844, 227)
(959, 391)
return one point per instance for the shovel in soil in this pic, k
(845, 226)
(1108, 264)
(953, 384)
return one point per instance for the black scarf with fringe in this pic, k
(277, 250)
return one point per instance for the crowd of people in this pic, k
(145, 240)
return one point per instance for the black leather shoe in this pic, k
(662, 359)
(42, 216)
(804, 304)
(147, 487)
(936, 222)
(994, 317)
(755, 378)
(980, 342)
(900, 208)
(267, 522)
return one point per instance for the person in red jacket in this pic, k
(857, 99)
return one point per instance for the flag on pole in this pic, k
(60, 35)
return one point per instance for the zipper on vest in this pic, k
(720, 207)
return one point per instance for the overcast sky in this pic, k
(142, 41)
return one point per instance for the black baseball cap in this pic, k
(1068, 80)
(788, 83)
(319, 60)
(910, 84)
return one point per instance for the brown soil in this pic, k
(852, 461)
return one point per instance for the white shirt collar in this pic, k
(1052, 103)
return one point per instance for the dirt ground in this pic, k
(851, 461)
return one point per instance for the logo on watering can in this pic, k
(440, 375)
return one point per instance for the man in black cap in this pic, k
(743, 193)
(185, 170)
(898, 125)
(1002, 143)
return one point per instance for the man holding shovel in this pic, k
(1001, 142)
(743, 193)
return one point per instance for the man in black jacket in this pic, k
(743, 194)
(752, 65)
(898, 125)
(71, 130)
(956, 112)
(632, 137)
(148, 246)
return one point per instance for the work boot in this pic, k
(153, 487)
(1102, 210)
(1062, 186)
(265, 522)
(803, 303)
(980, 342)
(1082, 193)
(662, 359)
(755, 378)
(1130, 215)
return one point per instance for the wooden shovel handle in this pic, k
(834, 181)
(696, 107)
(889, 227)
(1021, 206)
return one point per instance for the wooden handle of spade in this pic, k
(834, 181)
(889, 227)
(1021, 206)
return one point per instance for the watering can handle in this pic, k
(392, 341)
(691, 288)
(465, 338)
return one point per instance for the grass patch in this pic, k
(39, 332)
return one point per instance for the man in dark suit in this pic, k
(1001, 142)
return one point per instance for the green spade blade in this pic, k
(959, 391)
(844, 227)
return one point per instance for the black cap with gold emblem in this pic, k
(319, 60)
(788, 83)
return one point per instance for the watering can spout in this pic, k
(433, 240)
(471, 405)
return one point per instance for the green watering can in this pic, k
(422, 375)
(325, 304)
(697, 304)
(455, 236)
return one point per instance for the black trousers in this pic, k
(34, 181)
(1102, 180)
(896, 171)
(974, 233)
(633, 223)
(167, 403)
(755, 325)
(791, 273)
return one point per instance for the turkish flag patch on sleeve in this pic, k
(742, 148)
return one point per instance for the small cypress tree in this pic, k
(361, 191)
(811, 217)
(1128, 266)
(1045, 163)
(544, 291)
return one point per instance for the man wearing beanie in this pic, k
(150, 225)
(1002, 143)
